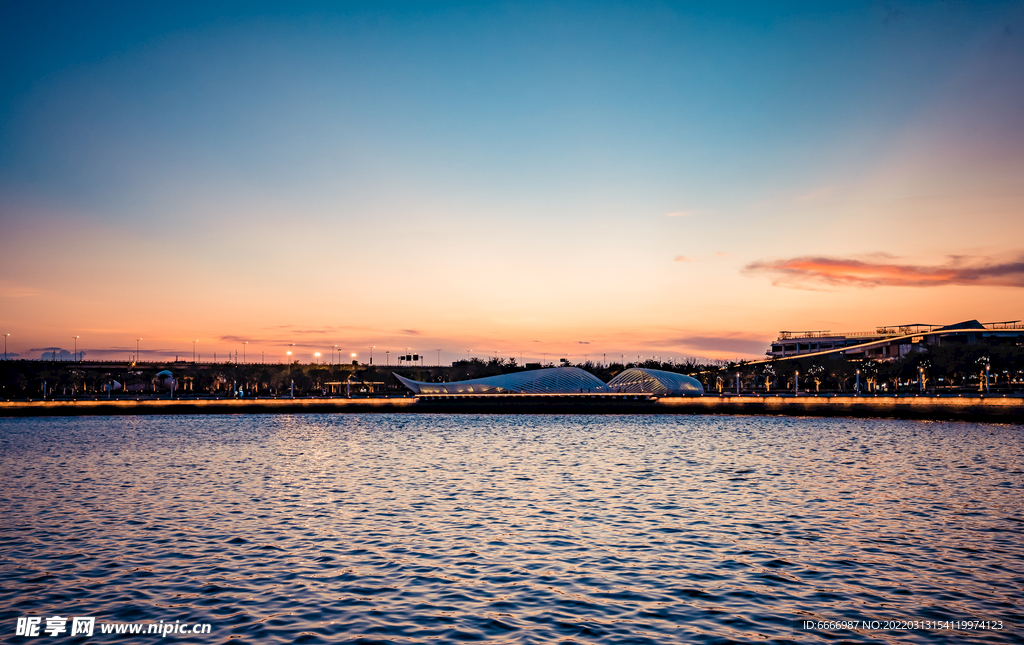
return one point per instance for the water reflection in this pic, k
(507, 529)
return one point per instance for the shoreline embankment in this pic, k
(999, 409)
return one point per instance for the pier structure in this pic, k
(999, 409)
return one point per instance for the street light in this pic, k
(439, 358)
(371, 353)
(5, 346)
(76, 347)
(137, 350)
(194, 350)
(243, 351)
(387, 358)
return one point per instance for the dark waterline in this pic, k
(513, 529)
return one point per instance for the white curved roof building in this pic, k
(637, 380)
(555, 380)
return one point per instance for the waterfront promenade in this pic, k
(1000, 408)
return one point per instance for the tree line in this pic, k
(947, 368)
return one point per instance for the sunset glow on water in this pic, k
(514, 529)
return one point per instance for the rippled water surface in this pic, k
(513, 529)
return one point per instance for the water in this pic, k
(513, 529)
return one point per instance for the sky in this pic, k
(528, 180)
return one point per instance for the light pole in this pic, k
(987, 369)
(371, 353)
(439, 358)
(387, 358)
(290, 351)
(856, 386)
(76, 348)
(194, 350)
(5, 346)
(137, 350)
(243, 351)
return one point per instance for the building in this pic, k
(890, 343)
(555, 380)
(565, 380)
(638, 380)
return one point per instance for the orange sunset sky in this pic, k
(581, 180)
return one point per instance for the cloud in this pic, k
(583, 342)
(292, 329)
(735, 344)
(683, 258)
(412, 332)
(240, 340)
(810, 272)
(10, 290)
(824, 191)
(55, 353)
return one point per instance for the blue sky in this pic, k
(502, 174)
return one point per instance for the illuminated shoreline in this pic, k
(1007, 409)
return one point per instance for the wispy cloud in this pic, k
(240, 339)
(724, 345)
(412, 332)
(291, 329)
(727, 343)
(824, 191)
(12, 290)
(683, 258)
(810, 272)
